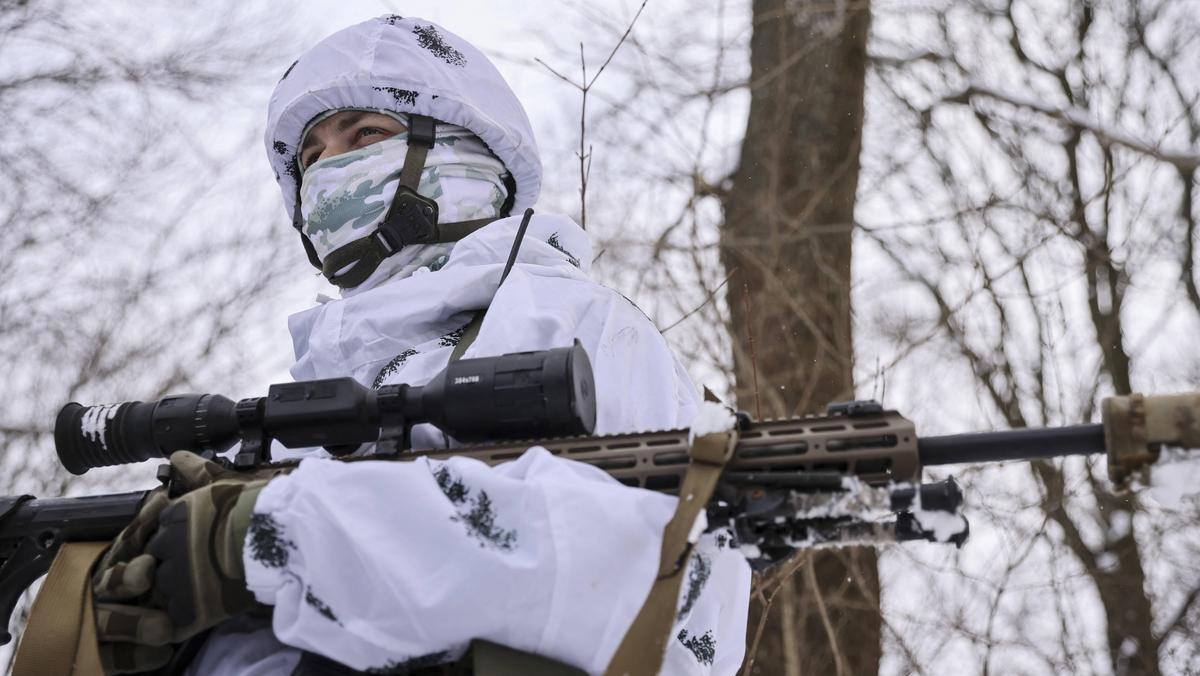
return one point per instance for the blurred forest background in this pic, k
(981, 212)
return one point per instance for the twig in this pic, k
(1185, 160)
(556, 74)
(789, 637)
(774, 583)
(758, 632)
(620, 42)
(810, 573)
(711, 295)
(583, 156)
(753, 352)
(584, 86)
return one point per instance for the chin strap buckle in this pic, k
(422, 130)
(412, 219)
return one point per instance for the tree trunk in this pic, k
(786, 240)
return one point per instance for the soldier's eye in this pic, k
(370, 131)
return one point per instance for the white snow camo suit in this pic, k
(389, 566)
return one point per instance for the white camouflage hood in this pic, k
(406, 65)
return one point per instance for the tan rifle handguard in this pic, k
(878, 448)
(1136, 427)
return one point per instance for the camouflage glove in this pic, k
(177, 569)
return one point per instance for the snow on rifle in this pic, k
(850, 476)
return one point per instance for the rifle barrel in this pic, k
(1024, 444)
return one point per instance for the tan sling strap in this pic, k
(60, 638)
(470, 332)
(483, 658)
(641, 651)
(493, 659)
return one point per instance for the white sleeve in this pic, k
(384, 564)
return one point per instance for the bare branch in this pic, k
(1182, 159)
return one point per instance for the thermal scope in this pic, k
(525, 395)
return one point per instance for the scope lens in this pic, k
(99, 436)
(118, 434)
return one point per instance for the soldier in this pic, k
(402, 156)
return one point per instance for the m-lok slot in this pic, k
(774, 451)
(851, 443)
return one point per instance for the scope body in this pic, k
(525, 395)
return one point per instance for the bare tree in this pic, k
(1047, 171)
(776, 300)
(138, 244)
(1025, 244)
(789, 294)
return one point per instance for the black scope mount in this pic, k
(525, 395)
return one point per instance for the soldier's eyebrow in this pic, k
(338, 127)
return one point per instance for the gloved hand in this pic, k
(176, 570)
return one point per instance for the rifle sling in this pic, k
(645, 644)
(483, 658)
(61, 635)
(470, 332)
(472, 329)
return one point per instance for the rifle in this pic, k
(851, 476)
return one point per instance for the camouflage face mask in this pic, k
(345, 197)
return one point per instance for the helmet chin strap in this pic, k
(411, 219)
